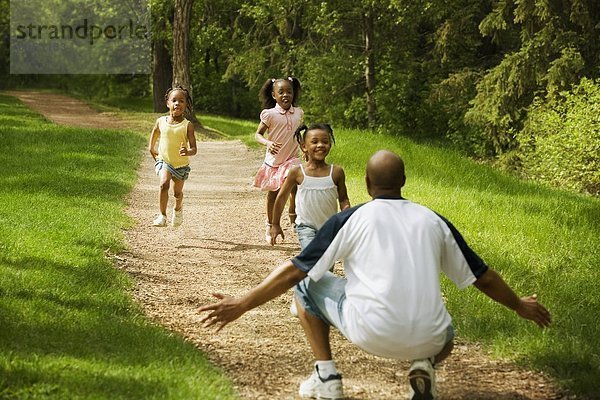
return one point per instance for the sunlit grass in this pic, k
(69, 328)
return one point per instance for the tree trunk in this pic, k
(370, 68)
(181, 51)
(162, 73)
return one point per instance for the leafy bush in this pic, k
(560, 142)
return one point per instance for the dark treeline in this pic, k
(511, 80)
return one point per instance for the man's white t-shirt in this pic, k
(393, 252)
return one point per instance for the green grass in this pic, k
(234, 128)
(69, 328)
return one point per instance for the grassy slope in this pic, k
(68, 325)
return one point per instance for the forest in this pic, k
(510, 82)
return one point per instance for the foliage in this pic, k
(548, 46)
(464, 70)
(560, 142)
(214, 44)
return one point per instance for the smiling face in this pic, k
(177, 103)
(317, 144)
(283, 93)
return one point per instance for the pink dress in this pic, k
(281, 126)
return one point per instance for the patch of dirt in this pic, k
(220, 248)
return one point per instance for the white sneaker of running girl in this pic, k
(161, 220)
(317, 388)
(177, 218)
(421, 377)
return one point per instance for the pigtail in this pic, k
(329, 129)
(264, 94)
(299, 135)
(296, 86)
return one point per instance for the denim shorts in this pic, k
(325, 300)
(306, 234)
(180, 174)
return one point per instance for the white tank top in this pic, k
(316, 199)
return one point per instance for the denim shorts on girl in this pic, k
(306, 234)
(181, 174)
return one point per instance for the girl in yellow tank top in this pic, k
(176, 141)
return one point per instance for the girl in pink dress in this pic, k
(278, 120)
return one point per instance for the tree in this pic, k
(181, 50)
(369, 33)
(162, 67)
(4, 42)
(548, 47)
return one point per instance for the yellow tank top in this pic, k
(171, 137)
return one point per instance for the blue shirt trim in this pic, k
(315, 249)
(476, 264)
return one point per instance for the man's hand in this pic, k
(530, 309)
(494, 286)
(227, 310)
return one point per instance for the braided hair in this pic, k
(265, 92)
(188, 98)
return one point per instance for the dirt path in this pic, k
(220, 248)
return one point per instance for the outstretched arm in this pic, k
(228, 308)
(498, 290)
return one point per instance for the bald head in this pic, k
(385, 174)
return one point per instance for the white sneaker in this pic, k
(421, 377)
(177, 218)
(294, 307)
(161, 220)
(316, 387)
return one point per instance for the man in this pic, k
(389, 303)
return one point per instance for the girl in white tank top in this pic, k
(316, 199)
(320, 186)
